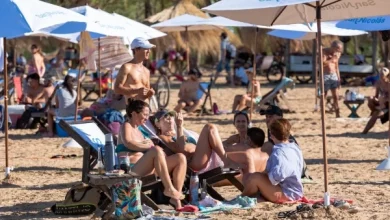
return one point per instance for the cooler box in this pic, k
(59, 131)
(15, 112)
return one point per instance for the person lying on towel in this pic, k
(242, 102)
(188, 93)
(145, 157)
(281, 181)
(197, 153)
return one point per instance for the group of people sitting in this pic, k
(273, 168)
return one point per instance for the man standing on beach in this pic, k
(228, 52)
(133, 79)
(332, 80)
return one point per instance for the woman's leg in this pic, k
(155, 159)
(259, 182)
(236, 102)
(50, 122)
(209, 140)
(177, 166)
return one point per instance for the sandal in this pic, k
(287, 214)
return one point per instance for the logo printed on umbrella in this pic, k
(378, 20)
(355, 5)
(50, 14)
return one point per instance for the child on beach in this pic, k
(281, 181)
(188, 94)
(242, 102)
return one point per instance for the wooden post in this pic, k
(78, 92)
(99, 71)
(7, 168)
(187, 51)
(254, 75)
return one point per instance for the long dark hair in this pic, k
(68, 84)
(241, 113)
(135, 106)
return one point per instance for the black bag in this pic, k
(25, 121)
(80, 200)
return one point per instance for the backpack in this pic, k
(230, 51)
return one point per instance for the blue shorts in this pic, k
(226, 66)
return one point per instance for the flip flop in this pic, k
(57, 157)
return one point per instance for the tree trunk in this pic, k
(148, 9)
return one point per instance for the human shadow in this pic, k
(361, 183)
(371, 135)
(338, 161)
(36, 210)
(52, 186)
(46, 168)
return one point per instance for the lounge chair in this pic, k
(205, 89)
(90, 135)
(212, 173)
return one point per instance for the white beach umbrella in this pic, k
(271, 12)
(185, 23)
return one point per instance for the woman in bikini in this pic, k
(242, 102)
(379, 102)
(145, 157)
(199, 153)
(37, 64)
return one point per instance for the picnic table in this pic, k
(354, 106)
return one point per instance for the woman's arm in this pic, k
(129, 142)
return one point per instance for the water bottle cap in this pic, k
(109, 137)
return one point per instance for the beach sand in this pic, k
(37, 182)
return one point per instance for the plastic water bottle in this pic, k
(109, 154)
(203, 192)
(347, 95)
(194, 189)
(353, 95)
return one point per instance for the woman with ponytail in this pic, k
(65, 99)
(145, 157)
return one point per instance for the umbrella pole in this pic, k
(7, 168)
(77, 92)
(100, 74)
(187, 51)
(254, 76)
(322, 98)
(315, 69)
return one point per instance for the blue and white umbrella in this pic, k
(309, 31)
(271, 12)
(23, 16)
(379, 23)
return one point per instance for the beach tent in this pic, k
(28, 16)
(273, 12)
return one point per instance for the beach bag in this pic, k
(127, 199)
(81, 199)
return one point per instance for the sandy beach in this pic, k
(38, 181)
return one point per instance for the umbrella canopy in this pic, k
(182, 23)
(272, 12)
(226, 22)
(146, 31)
(308, 32)
(367, 24)
(20, 17)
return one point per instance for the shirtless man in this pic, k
(332, 81)
(133, 79)
(37, 64)
(35, 92)
(188, 99)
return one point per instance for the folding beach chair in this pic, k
(205, 88)
(272, 96)
(210, 174)
(90, 135)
